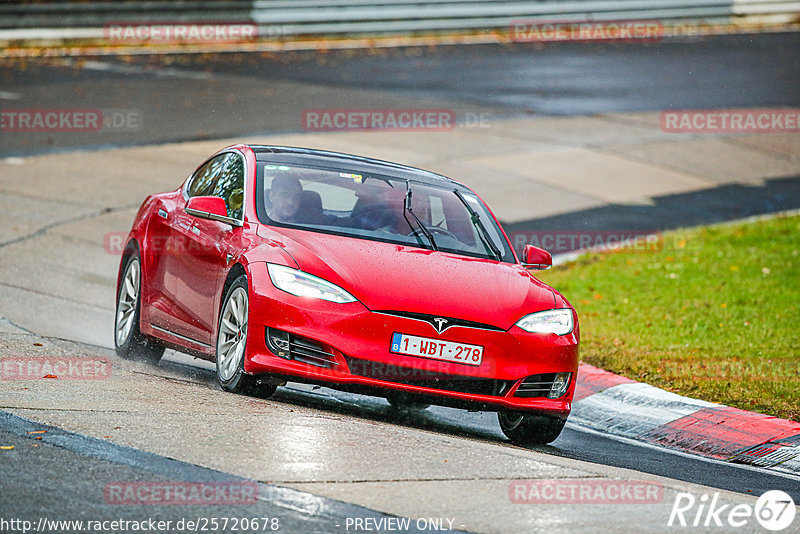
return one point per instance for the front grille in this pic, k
(431, 319)
(428, 379)
(299, 349)
(536, 386)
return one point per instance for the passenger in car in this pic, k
(284, 198)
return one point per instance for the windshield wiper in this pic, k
(407, 209)
(476, 220)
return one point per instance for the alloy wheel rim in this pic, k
(126, 307)
(232, 334)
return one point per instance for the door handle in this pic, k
(195, 230)
(162, 213)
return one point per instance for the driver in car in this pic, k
(284, 198)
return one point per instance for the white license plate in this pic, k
(437, 349)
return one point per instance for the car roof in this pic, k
(338, 160)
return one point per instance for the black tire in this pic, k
(530, 429)
(129, 342)
(230, 366)
(400, 402)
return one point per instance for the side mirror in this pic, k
(210, 208)
(536, 258)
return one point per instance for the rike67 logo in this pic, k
(774, 511)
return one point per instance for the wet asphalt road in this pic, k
(69, 478)
(562, 78)
(65, 477)
(574, 442)
(205, 96)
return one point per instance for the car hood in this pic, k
(390, 277)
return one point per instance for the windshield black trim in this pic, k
(268, 153)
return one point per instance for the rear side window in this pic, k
(230, 186)
(204, 180)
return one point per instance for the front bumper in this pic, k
(354, 344)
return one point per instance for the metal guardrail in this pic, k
(19, 15)
(406, 16)
(315, 17)
(354, 16)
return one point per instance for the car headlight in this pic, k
(302, 284)
(548, 322)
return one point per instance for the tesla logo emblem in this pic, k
(440, 325)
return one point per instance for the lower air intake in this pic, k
(299, 349)
(536, 386)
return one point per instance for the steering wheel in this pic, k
(433, 230)
(372, 217)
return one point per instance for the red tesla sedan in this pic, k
(290, 264)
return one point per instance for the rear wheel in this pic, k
(231, 343)
(129, 341)
(530, 429)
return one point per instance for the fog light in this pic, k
(278, 342)
(560, 385)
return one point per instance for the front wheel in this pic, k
(530, 429)
(129, 342)
(231, 343)
(403, 403)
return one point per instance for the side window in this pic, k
(204, 180)
(230, 186)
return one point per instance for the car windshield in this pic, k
(448, 218)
